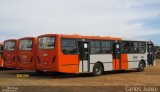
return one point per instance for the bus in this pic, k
(1, 54)
(65, 53)
(91, 54)
(26, 53)
(133, 54)
(10, 53)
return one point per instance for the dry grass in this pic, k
(150, 77)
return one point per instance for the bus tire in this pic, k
(141, 67)
(97, 69)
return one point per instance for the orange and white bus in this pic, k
(65, 53)
(1, 54)
(26, 53)
(91, 54)
(10, 53)
(133, 54)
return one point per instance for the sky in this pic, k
(129, 19)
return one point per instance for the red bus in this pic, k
(91, 54)
(10, 53)
(1, 54)
(27, 53)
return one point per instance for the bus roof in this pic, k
(83, 36)
(27, 38)
(136, 40)
(11, 40)
(47, 35)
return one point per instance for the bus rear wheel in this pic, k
(141, 67)
(97, 69)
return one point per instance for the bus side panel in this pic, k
(105, 59)
(69, 64)
(134, 59)
(132, 62)
(124, 61)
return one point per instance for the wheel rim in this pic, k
(141, 66)
(98, 70)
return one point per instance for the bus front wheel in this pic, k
(141, 67)
(97, 69)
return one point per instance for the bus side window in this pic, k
(150, 49)
(142, 47)
(134, 47)
(126, 47)
(68, 46)
(105, 47)
(95, 47)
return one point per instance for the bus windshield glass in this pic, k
(25, 44)
(9, 45)
(46, 42)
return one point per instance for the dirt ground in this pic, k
(150, 77)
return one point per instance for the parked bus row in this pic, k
(76, 54)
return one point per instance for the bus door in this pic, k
(117, 56)
(83, 52)
(151, 54)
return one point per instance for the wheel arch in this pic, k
(142, 60)
(101, 64)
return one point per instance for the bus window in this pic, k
(151, 49)
(95, 47)
(25, 44)
(46, 42)
(126, 47)
(68, 46)
(106, 47)
(134, 47)
(142, 47)
(9, 45)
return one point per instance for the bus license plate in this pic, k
(45, 54)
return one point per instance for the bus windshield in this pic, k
(46, 42)
(9, 45)
(25, 44)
